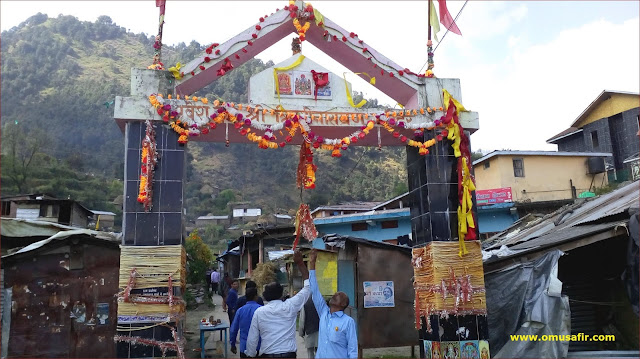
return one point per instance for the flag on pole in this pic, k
(433, 20)
(160, 4)
(446, 19)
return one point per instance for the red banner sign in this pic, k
(492, 196)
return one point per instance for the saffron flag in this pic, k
(433, 20)
(446, 19)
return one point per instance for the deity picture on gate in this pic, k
(303, 85)
(284, 84)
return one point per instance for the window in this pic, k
(518, 167)
(594, 139)
(389, 224)
(486, 164)
(362, 226)
(6, 208)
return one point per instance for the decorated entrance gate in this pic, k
(298, 102)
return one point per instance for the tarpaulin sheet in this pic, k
(526, 300)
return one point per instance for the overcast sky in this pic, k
(529, 68)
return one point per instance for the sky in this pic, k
(529, 68)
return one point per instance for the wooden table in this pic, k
(222, 327)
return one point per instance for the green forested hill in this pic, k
(59, 78)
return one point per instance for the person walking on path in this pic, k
(243, 300)
(275, 323)
(215, 279)
(337, 331)
(242, 322)
(308, 323)
(232, 299)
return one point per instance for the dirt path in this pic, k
(214, 348)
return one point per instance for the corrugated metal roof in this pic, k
(582, 212)
(541, 153)
(352, 206)
(213, 217)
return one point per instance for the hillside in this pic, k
(59, 78)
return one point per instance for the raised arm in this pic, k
(318, 300)
(297, 301)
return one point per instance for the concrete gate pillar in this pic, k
(433, 193)
(158, 232)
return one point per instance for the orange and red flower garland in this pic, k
(148, 162)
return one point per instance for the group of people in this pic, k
(269, 330)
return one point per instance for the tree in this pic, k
(199, 256)
(19, 153)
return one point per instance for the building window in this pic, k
(361, 226)
(389, 224)
(6, 208)
(518, 167)
(594, 139)
(486, 165)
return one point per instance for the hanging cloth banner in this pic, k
(349, 97)
(321, 79)
(276, 69)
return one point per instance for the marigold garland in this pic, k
(149, 159)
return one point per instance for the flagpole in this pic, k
(429, 20)
(158, 43)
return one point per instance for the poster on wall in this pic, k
(379, 294)
(299, 84)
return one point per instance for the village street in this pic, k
(214, 348)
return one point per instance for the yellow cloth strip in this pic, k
(372, 80)
(446, 97)
(465, 216)
(276, 69)
(349, 97)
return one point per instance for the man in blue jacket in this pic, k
(242, 322)
(337, 333)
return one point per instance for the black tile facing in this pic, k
(470, 325)
(171, 166)
(440, 226)
(132, 169)
(449, 326)
(483, 327)
(147, 229)
(170, 196)
(129, 228)
(171, 232)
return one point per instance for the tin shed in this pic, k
(61, 293)
(378, 278)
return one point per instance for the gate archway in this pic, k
(161, 115)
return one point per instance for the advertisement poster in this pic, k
(379, 294)
(493, 196)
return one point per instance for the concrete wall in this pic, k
(546, 178)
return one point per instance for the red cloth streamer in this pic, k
(321, 79)
(446, 19)
(304, 225)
